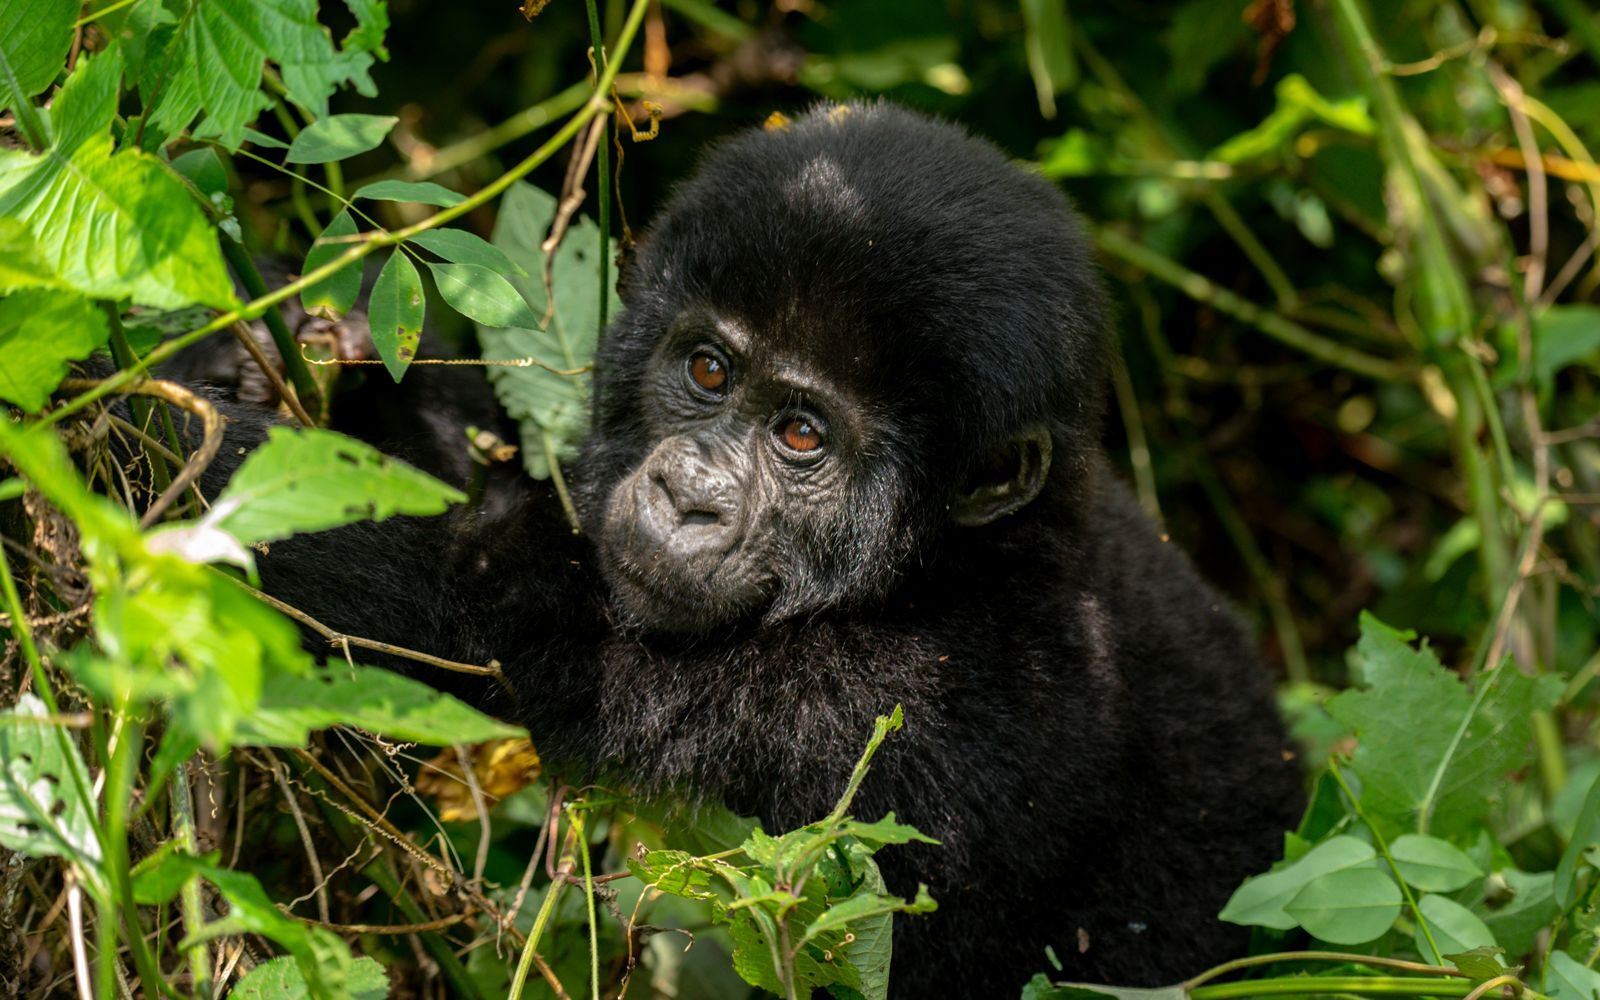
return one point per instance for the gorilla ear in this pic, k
(1008, 481)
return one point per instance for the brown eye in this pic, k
(709, 372)
(800, 434)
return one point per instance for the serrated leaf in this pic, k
(544, 403)
(865, 905)
(884, 831)
(396, 311)
(34, 38)
(1260, 900)
(40, 331)
(1566, 978)
(420, 192)
(461, 247)
(371, 698)
(1426, 745)
(1455, 928)
(280, 979)
(41, 812)
(333, 296)
(110, 225)
(312, 480)
(217, 54)
(481, 295)
(1431, 864)
(1353, 906)
(339, 137)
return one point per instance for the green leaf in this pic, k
(1568, 979)
(1482, 963)
(40, 331)
(280, 979)
(312, 480)
(216, 56)
(864, 905)
(395, 312)
(1428, 749)
(482, 295)
(421, 192)
(1455, 928)
(1347, 907)
(34, 38)
(1047, 40)
(1517, 921)
(1584, 836)
(335, 295)
(884, 831)
(204, 169)
(461, 247)
(20, 266)
(111, 225)
(41, 812)
(1299, 105)
(547, 405)
(1431, 864)
(1260, 901)
(339, 137)
(371, 698)
(1563, 335)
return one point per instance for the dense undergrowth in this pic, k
(1356, 247)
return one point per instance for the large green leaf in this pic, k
(312, 480)
(1455, 928)
(111, 225)
(461, 247)
(546, 404)
(34, 38)
(1584, 836)
(482, 295)
(1431, 864)
(1260, 901)
(396, 312)
(1353, 906)
(40, 331)
(280, 979)
(41, 812)
(377, 700)
(20, 266)
(1427, 745)
(1569, 979)
(215, 58)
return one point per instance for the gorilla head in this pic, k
(832, 355)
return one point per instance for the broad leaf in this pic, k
(41, 811)
(338, 137)
(335, 295)
(1428, 748)
(421, 192)
(216, 56)
(1431, 864)
(1347, 907)
(1566, 978)
(312, 480)
(549, 407)
(395, 313)
(1455, 928)
(371, 698)
(1584, 836)
(1516, 922)
(34, 38)
(111, 225)
(461, 247)
(482, 295)
(280, 979)
(40, 331)
(20, 266)
(1260, 901)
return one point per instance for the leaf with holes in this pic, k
(395, 313)
(41, 811)
(313, 480)
(553, 410)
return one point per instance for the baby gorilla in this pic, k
(846, 454)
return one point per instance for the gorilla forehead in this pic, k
(872, 238)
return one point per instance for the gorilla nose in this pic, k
(684, 504)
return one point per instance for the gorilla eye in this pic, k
(709, 372)
(800, 434)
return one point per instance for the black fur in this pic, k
(1088, 731)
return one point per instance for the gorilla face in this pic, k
(842, 341)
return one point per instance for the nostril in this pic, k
(701, 517)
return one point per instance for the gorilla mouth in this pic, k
(665, 595)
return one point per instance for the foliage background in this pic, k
(1358, 309)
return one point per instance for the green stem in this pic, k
(372, 242)
(603, 164)
(1203, 289)
(1341, 957)
(120, 776)
(192, 909)
(29, 122)
(588, 881)
(529, 947)
(1403, 986)
(288, 348)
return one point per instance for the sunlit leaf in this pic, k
(461, 247)
(34, 38)
(40, 331)
(281, 979)
(395, 312)
(339, 137)
(42, 812)
(481, 294)
(335, 295)
(421, 192)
